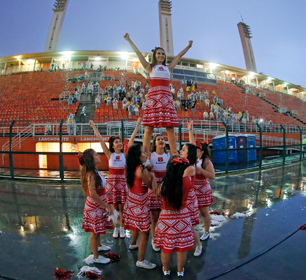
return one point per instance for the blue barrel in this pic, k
(219, 142)
(251, 143)
(241, 142)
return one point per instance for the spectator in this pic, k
(70, 100)
(131, 108)
(207, 103)
(109, 101)
(136, 110)
(83, 114)
(97, 101)
(115, 103)
(124, 103)
(211, 116)
(205, 116)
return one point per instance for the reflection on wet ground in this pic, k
(40, 228)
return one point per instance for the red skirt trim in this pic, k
(113, 171)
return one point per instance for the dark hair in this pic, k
(172, 184)
(192, 153)
(154, 62)
(132, 161)
(111, 143)
(88, 167)
(206, 153)
(153, 145)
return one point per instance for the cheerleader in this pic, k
(204, 170)
(189, 151)
(173, 231)
(136, 209)
(116, 189)
(95, 210)
(159, 159)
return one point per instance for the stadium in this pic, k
(255, 126)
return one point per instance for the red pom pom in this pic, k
(63, 274)
(303, 227)
(114, 257)
(92, 275)
(215, 213)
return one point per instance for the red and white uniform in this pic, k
(173, 231)
(159, 168)
(192, 204)
(136, 216)
(202, 188)
(94, 215)
(116, 189)
(159, 110)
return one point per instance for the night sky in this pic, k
(278, 29)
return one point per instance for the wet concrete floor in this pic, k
(41, 229)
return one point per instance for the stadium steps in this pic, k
(89, 102)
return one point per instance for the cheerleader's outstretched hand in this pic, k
(126, 36)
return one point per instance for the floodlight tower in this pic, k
(56, 25)
(165, 26)
(245, 36)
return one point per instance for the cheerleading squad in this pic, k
(164, 197)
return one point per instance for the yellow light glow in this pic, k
(135, 59)
(269, 79)
(285, 84)
(30, 61)
(200, 66)
(227, 72)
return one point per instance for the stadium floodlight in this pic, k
(226, 72)
(251, 74)
(98, 58)
(261, 120)
(67, 54)
(285, 84)
(269, 79)
(124, 55)
(213, 66)
(30, 61)
(135, 59)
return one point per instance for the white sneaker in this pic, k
(103, 248)
(132, 247)
(145, 264)
(166, 272)
(181, 274)
(197, 251)
(154, 247)
(122, 232)
(101, 260)
(116, 233)
(205, 236)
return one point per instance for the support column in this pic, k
(4, 68)
(51, 63)
(19, 66)
(34, 65)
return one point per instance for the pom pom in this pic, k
(303, 227)
(92, 275)
(114, 257)
(63, 274)
(178, 160)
